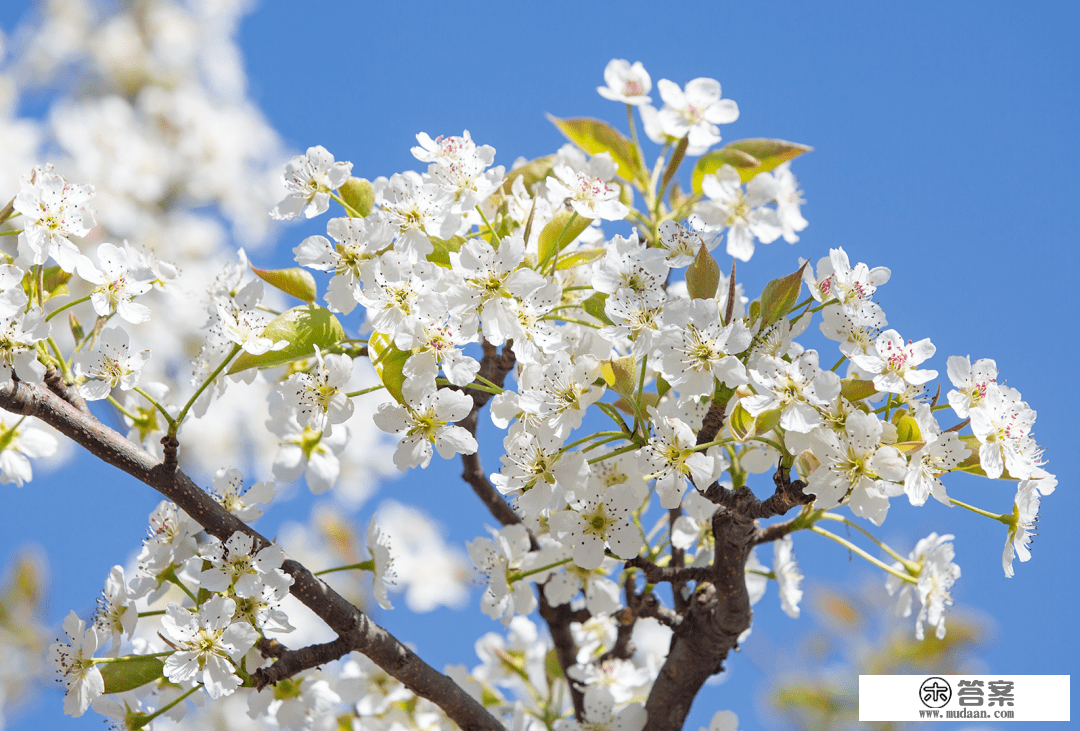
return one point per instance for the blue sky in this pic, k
(945, 149)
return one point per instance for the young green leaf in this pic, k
(748, 157)
(303, 328)
(441, 253)
(594, 305)
(359, 194)
(703, 275)
(389, 363)
(295, 282)
(594, 136)
(621, 374)
(559, 232)
(131, 674)
(779, 296)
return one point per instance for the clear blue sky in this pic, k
(945, 139)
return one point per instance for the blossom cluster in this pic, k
(621, 345)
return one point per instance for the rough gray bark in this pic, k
(355, 630)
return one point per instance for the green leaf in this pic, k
(766, 421)
(559, 232)
(620, 374)
(748, 157)
(54, 281)
(971, 464)
(703, 275)
(779, 296)
(855, 389)
(769, 153)
(295, 282)
(531, 173)
(907, 429)
(710, 162)
(359, 194)
(742, 424)
(130, 674)
(578, 258)
(443, 247)
(303, 328)
(662, 386)
(594, 136)
(389, 363)
(675, 161)
(595, 306)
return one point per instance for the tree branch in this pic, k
(355, 630)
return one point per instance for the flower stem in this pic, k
(217, 371)
(855, 549)
(1005, 518)
(498, 240)
(841, 519)
(362, 566)
(362, 391)
(168, 417)
(60, 309)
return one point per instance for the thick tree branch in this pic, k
(719, 611)
(355, 630)
(788, 494)
(558, 621)
(291, 662)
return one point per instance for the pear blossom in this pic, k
(309, 180)
(417, 208)
(208, 643)
(378, 544)
(974, 383)
(1003, 427)
(13, 297)
(111, 365)
(599, 519)
(893, 362)
(671, 456)
(358, 241)
(940, 453)
(118, 282)
(244, 328)
(305, 451)
(591, 197)
(116, 615)
(74, 660)
(745, 216)
(704, 351)
(496, 558)
(629, 264)
(694, 112)
(856, 466)
(788, 201)
(18, 346)
(799, 389)
(600, 715)
(626, 83)
(935, 576)
(425, 420)
(22, 440)
(560, 393)
(787, 576)
(227, 490)
(317, 396)
(683, 243)
(1025, 515)
(53, 211)
(234, 566)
